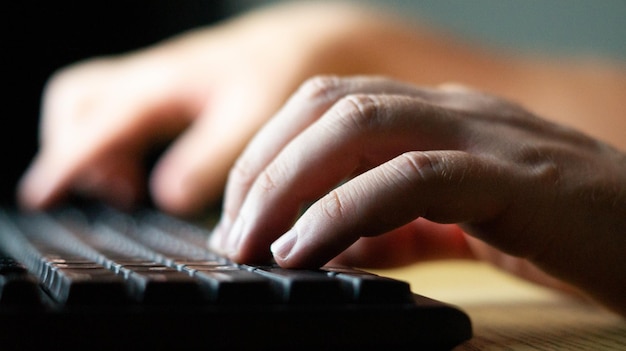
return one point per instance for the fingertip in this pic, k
(190, 177)
(282, 248)
(216, 240)
(176, 192)
(37, 187)
(170, 196)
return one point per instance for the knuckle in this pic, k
(322, 87)
(242, 173)
(418, 164)
(71, 91)
(265, 182)
(82, 78)
(61, 85)
(360, 111)
(334, 205)
(436, 168)
(270, 178)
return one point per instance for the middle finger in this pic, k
(352, 135)
(310, 102)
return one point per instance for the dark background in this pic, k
(39, 37)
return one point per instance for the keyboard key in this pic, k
(8, 265)
(17, 286)
(301, 286)
(365, 287)
(86, 286)
(160, 284)
(229, 284)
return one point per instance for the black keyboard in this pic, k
(100, 279)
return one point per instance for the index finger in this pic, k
(307, 105)
(442, 186)
(353, 135)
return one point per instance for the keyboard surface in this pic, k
(101, 279)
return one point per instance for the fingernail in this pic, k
(234, 236)
(282, 247)
(216, 240)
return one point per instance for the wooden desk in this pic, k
(511, 314)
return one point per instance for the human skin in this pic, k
(371, 157)
(211, 90)
(101, 116)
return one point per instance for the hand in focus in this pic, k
(371, 172)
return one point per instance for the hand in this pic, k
(208, 90)
(393, 173)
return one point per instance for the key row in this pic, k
(115, 258)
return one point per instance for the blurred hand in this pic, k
(388, 169)
(209, 90)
